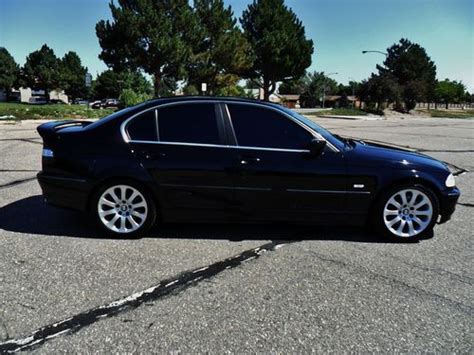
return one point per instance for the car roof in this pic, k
(172, 99)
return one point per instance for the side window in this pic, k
(188, 123)
(143, 127)
(260, 127)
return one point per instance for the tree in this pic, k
(311, 88)
(155, 36)
(450, 92)
(110, 84)
(128, 97)
(278, 39)
(72, 76)
(9, 71)
(41, 70)
(295, 86)
(413, 70)
(379, 89)
(222, 50)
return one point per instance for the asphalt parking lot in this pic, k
(234, 288)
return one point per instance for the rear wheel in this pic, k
(407, 212)
(124, 210)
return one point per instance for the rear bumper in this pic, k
(65, 191)
(448, 204)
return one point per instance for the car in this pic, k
(206, 159)
(95, 104)
(110, 103)
(80, 101)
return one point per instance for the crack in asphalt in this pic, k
(28, 140)
(416, 289)
(164, 288)
(3, 335)
(466, 204)
(17, 182)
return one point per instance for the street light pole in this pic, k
(353, 94)
(379, 52)
(385, 53)
(324, 86)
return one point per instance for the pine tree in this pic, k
(222, 53)
(155, 36)
(279, 42)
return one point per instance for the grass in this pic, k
(469, 114)
(53, 111)
(341, 112)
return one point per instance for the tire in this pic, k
(123, 209)
(406, 213)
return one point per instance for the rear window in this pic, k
(143, 127)
(188, 123)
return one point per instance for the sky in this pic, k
(340, 30)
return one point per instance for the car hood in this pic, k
(371, 152)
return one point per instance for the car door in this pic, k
(276, 175)
(184, 152)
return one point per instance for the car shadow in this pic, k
(32, 216)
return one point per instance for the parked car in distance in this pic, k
(110, 103)
(207, 159)
(57, 102)
(79, 101)
(95, 104)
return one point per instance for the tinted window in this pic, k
(259, 127)
(188, 123)
(143, 127)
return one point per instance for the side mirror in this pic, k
(316, 146)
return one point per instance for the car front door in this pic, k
(276, 176)
(187, 159)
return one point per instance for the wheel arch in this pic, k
(408, 180)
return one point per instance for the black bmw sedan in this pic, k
(225, 159)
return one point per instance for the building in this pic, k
(336, 101)
(28, 95)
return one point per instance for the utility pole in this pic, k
(324, 86)
(353, 94)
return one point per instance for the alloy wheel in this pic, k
(122, 209)
(408, 212)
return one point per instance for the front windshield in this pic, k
(310, 123)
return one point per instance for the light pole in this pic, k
(379, 52)
(353, 95)
(385, 53)
(324, 86)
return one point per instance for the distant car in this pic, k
(80, 101)
(57, 102)
(95, 104)
(110, 103)
(208, 159)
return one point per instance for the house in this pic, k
(28, 95)
(288, 100)
(336, 101)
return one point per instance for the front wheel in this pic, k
(407, 212)
(124, 210)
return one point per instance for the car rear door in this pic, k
(276, 177)
(188, 159)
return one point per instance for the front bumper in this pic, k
(448, 202)
(63, 191)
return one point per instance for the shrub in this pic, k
(128, 97)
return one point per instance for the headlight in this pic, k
(48, 153)
(450, 182)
